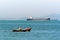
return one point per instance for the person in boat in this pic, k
(28, 28)
(20, 28)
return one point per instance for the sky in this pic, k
(20, 9)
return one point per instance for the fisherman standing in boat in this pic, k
(20, 28)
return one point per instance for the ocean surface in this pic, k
(41, 30)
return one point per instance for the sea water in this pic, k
(41, 30)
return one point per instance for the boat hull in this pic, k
(39, 19)
(21, 30)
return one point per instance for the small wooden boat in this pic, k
(23, 30)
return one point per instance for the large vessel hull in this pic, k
(40, 19)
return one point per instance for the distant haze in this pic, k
(20, 9)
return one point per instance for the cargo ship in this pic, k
(31, 18)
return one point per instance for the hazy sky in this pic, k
(17, 9)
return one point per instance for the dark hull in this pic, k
(21, 30)
(39, 19)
